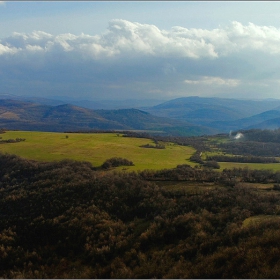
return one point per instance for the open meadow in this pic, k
(95, 148)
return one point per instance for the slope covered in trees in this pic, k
(19, 115)
(222, 114)
(71, 220)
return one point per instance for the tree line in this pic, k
(242, 159)
(263, 135)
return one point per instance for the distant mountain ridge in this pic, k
(15, 114)
(187, 116)
(89, 104)
(220, 113)
(268, 124)
(265, 120)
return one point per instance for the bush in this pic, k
(196, 157)
(115, 162)
(212, 164)
(157, 146)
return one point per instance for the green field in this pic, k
(230, 165)
(95, 148)
(268, 166)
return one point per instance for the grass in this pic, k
(259, 186)
(95, 148)
(229, 165)
(269, 166)
(187, 187)
(256, 220)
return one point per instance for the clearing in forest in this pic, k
(95, 148)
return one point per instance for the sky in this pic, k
(140, 50)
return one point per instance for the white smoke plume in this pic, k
(239, 135)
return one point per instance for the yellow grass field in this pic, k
(95, 148)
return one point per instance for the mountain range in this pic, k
(20, 115)
(182, 116)
(220, 113)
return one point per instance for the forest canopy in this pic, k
(69, 219)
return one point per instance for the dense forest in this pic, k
(266, 135)
(69, 219)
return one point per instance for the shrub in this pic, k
(115, 162)
(212, 164)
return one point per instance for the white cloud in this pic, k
(217, 81)
(34, 48)
(235, 37)
(133, 39)
(7, 50)
(2, 3)
(262, 38)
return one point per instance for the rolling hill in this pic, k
(220, 113)
(93, 104)
(19, 115)
(189, 116)
(266, 120)
(267, 124)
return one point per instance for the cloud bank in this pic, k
(214, 81)
(124, 37)
(131, 58)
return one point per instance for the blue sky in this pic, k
(157, 50)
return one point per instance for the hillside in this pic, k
(68, 220)
(19, 115)
(265, 120)
(63, 217)
(111, 104)
(272, 123)
(30, 116)
(190, 116)
(217, 113)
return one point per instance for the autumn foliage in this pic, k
(71, 220)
